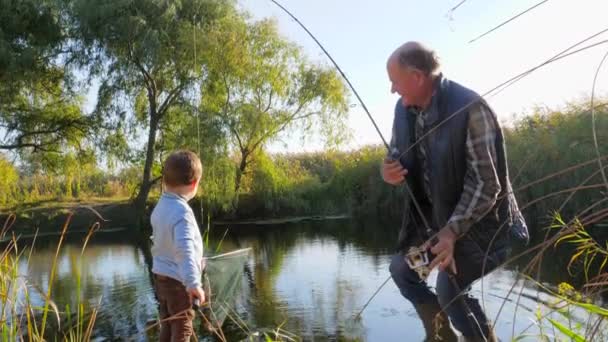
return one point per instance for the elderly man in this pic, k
(457, 170)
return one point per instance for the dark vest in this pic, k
(446, 162)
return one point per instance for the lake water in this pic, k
(308, 278)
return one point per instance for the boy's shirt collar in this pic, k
(175, 195)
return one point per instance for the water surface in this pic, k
(310, 279)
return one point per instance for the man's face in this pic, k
(405, 82)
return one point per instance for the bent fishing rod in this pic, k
(499, 88)
(394, 154)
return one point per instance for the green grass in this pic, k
(20, 317)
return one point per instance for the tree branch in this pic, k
(148, 80)
(19, 146)
(282, 126)
(170, 98)
(153, 181)
(255, 124)
(225, 114)
(269, 101)
(60, 128)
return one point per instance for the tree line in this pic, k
(202, 74)
(198, 74)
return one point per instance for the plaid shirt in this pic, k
(481, 184)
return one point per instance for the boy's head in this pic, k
(182, 171)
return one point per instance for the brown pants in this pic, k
(176, 311)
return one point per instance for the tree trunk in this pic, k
(238, 178)
(146, 184)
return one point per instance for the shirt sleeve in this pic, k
(187, 265)
(481, 184)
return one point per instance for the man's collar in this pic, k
(436, 90)
(433, 109)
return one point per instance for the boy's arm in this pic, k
(188, 265)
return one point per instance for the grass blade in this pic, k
(564, 330)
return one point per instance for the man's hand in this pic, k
(443, 250)
(392, 172)
(197, 293)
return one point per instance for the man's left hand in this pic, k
(443, 250)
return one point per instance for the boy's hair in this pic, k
(182, 168)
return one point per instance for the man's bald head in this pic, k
(417, 56)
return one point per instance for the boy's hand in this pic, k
(197, 293)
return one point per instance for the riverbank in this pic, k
(47, 218)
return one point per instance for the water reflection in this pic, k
(321, 275)
(309, 278)
(113, 277)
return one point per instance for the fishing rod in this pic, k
(502, 86)
(339, 69)
(507, 21)
(394, 155)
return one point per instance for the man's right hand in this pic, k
(392, 172)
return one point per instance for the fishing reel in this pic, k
(418, 260)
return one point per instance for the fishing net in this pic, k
(353, 329)
(222, 281)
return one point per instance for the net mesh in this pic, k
(222, 280)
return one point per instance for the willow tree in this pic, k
(260, 87)
(39, 109)
(145, 52)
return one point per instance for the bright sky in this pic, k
(361, 34)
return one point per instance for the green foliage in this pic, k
(566, 331)
(38, 107)
(71, 178)
(571, 314)
(8, 181)
(331, 183)
(144, 52)
(218, 183)
(198, 74)
(549, 141)
(259, 86)
(350, 182)
(276, 185)
(31, 31)
(42, 116)
(586, 247)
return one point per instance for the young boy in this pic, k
(177, 250)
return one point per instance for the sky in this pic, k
(360, 35)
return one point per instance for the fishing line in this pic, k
(405, 184)
(498, 88)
